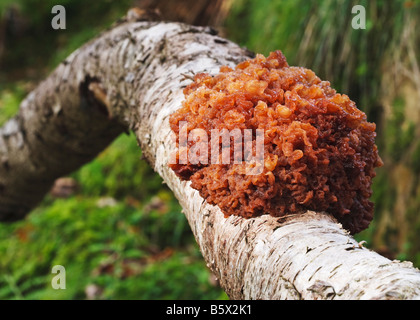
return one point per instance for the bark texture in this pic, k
(131, 77)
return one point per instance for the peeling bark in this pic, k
(131, 77)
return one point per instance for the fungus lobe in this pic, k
(319, 151)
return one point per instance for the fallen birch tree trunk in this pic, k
(131, 78)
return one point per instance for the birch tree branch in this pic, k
(131, 77)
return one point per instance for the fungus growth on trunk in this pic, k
(319, 151)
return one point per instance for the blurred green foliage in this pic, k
(32, 42)
(400, 132)
(10, 99)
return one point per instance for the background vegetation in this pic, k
(116, 228)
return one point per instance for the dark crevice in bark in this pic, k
(89, 96)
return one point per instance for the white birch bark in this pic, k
(141, 68)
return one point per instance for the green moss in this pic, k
(119, 172)
(107, 246)
(10, 98)
(164, 280)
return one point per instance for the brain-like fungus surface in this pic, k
(318, 151)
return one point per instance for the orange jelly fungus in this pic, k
(319, 150)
